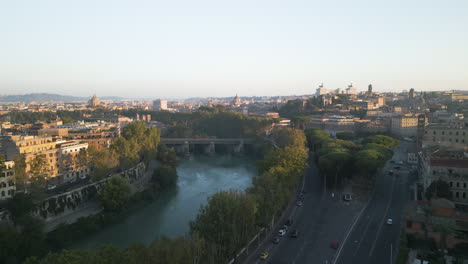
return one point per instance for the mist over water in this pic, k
(169, 215)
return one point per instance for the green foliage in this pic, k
(336, 165)
(167, 156)
(438, 189)
(315, 137)
(115, 194)
(226, 223)
(386, 141)
(361, 113)
(165, 176)
(19, 205)
(369, 160)
(102, 162)
(345, 135)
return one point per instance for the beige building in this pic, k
(7, 180)
(405, 125)
(445, 135)
(450, 166)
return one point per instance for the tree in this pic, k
(82, 159)
(20, 171)
(445, 227)
(115, 194)
(345, 135)
(102, 163)
(19, 205)
(316, 136)
(336, 165)
(369, 160)
(167, 156)
(226, 223)
(165, 176)
(386, 141)
(438, 189)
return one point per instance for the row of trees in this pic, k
(226, 223)
(338, 158)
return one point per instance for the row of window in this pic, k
(450, 140)
(457, 195)
(458, 184)
(8, 193)
(4, 184)
(450, 133)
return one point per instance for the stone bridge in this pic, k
(185, 145)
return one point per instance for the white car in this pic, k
(389, 221)
(281, 232)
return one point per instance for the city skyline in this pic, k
(183, 49)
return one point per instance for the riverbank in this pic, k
(170, 212)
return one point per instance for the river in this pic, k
(169, 215)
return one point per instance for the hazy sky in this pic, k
(176, 48)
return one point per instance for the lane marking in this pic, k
(383, 218)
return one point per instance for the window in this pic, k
(464, 185)
(451, 184)
(456, 133)
(443, 132)
(3, 193)
(457, 195)
(458, 184)
(433, 132)
(464, 195)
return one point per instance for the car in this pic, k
(334, 245)
(288, 222)
(275, 240)
(390, 172)
(264, 255)
(51, 187)
(389, 221)
(301, 196)
(285, 228)
(294, 233)
(281, 232)
(347, 197)
(400, 162)
(392, 161)
(299, 203)
(397, 167)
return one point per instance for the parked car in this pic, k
(288, 222)
(275, 240)
(334, 245)
(392, 161)
(390, 172)
(397, 167)
(400, 162)
(294, 233)
(281, 232)
(389, 221)
(347, 197)
(264, 255)
(299, 203)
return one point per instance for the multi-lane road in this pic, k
(358, 226)
(373, 240)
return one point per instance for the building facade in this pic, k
(445, 135)
(7, 180)
(160, 104)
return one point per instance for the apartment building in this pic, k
(449, 165)
(7, 180)
(406, 125)
(451, 135)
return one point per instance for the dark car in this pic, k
(334, 245)
(275, 240)
(288, 222)
(392, 161)
(294, 233)
(397, 167)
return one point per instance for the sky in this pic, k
(177, 49)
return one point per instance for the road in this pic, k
(372, 240)
(358, 226)
(320, 220)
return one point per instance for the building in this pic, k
(448, 135)
(421, 224)
(369, 90)
(93, 102)
(320, 91)
(160, 104)
(405, 125)
(449, 165)
(411, 94)
(457, 97)
(7, 180)
(351, 90)
(236, 101)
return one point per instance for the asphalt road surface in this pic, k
(321, 219)
(372, 240)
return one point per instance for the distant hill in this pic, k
(46, 97)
